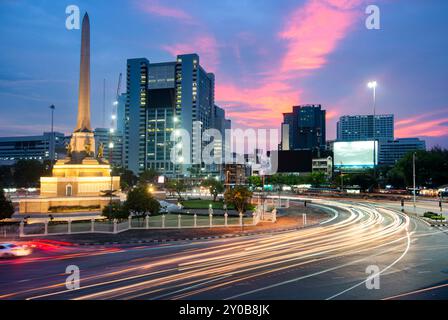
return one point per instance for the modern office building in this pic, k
(112, 142)
(162, 98)
(392, 151)
(366, 127)
(304, 129)
(221, 124)
(13, 149)
(380, 127)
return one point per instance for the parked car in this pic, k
(9, 250)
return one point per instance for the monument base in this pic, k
(64, 205)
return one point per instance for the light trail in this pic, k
(204, 266)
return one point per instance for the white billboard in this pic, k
(355, 154)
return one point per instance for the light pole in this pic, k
(372, 85)
(111, 146)
(413, 178)
(52, 107)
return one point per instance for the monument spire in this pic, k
(83, 124)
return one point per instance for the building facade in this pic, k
(323, 165)
(366, 127)
(162, 98)
(304, 129)
(13, 149)
(392, 151)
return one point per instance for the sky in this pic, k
(267, 56)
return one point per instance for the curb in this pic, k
(429, 223)
(163, 241)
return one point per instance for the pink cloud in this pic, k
(415, 127)
(205, 46)
(314, 31)
(155, 8)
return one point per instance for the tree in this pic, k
(140, 202)
(115, 211)
(148, 176)
(255, 181)
(127, 178)
(176, 186)
(239, 197)
(431, 168)
(27, 173)
(6, 207)
(6, 176)
(317, 179)
(214, 186)
(366, 181)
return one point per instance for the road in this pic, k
(328, 261)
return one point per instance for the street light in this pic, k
(372, 85)
(52, 138)
(413, 178)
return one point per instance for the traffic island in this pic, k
(291, 220)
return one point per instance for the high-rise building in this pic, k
(121, 113)
(304, 129)
(13, 149)
(162, 98)
(364, 127)
(135, 133)
(221, 124)
(392, 151)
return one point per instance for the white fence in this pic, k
(170, 221)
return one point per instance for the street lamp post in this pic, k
(414, 191)
(52, 107)
(372, 85)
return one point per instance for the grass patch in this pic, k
(433, 216)
(204, 204)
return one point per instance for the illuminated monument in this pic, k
(79, 180)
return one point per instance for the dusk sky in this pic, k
(266, 55)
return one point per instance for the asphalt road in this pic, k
(329, 261)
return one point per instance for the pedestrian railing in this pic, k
(166, 221)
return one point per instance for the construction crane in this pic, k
(115, 104)
(113, 123)
(112, 129)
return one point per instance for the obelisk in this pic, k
(82, 144)
(83, 124)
